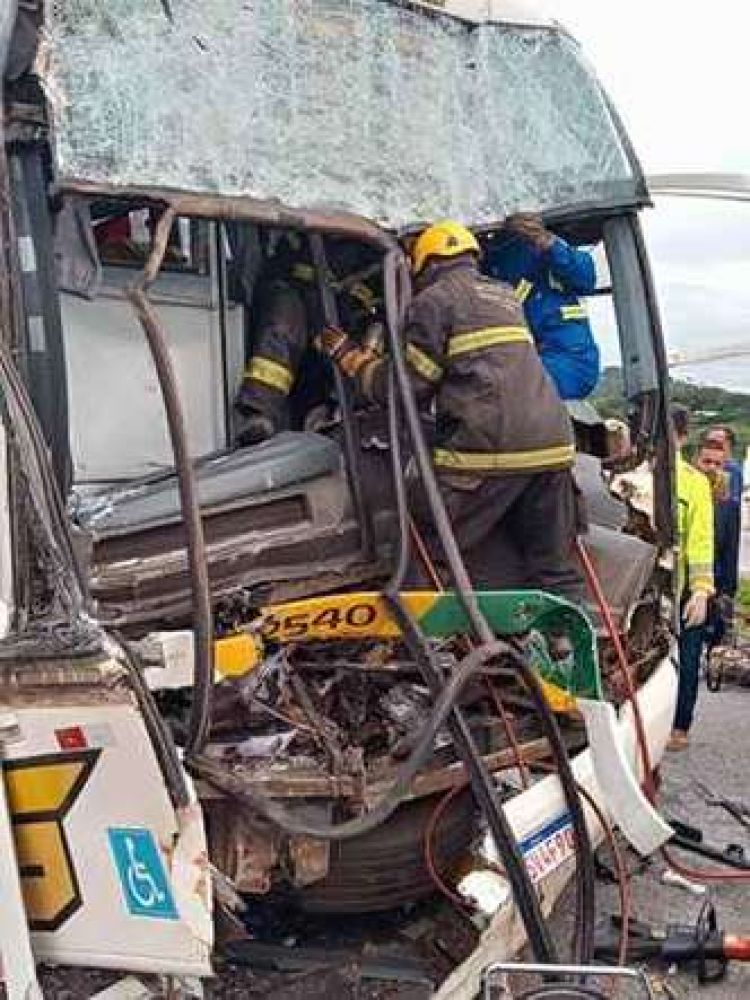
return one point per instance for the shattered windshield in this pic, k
(361, 105)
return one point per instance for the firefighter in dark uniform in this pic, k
(504, 443)
(286, 378)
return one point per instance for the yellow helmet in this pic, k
(442, 239)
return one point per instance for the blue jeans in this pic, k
(690, 647)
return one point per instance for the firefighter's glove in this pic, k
(530, 228)
(255, 429)
(695, 610)
(343, 351)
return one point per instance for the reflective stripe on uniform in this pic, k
(573, 312)
(461, 343)
(361, 293)
(423, 364)
(304, 273)
(523, 290)
(271, 373)
(481, 461)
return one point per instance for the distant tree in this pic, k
(708, 405)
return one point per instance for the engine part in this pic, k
(195, 546)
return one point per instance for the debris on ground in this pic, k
(719, 728)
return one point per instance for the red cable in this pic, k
(622, 660)
(510, 732)
(429, 855)
(429, 838)
(696, 874)
(623, 879)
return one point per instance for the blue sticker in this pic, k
(558, 825)
(143, 878)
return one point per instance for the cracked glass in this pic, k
(362, 105)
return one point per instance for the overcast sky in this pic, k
(679, 73)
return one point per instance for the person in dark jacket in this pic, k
(727, 480)
(504, 444)
(548, 275)
(286, 378)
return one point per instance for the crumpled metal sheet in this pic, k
(364, 105)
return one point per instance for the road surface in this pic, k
(718, 757)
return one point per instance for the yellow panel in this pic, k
(557, 699)
(340, 616)
(41, 788)
(47, 881)
(236, 655)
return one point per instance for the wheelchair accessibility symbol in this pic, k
(143, 878)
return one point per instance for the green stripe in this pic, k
(520, 612)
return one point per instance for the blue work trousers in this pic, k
(690, 647)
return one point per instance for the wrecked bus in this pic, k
(171, 601)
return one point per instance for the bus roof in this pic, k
(396, 111)
(530, 12)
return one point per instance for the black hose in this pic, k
(399, 486)
(523, 890)
(585, 869)
(362, 512)
(217, 774)
(200, 709)
(585, 874)
(482, 784)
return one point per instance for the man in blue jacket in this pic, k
(548, 275)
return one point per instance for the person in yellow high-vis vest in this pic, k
(695, 576)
